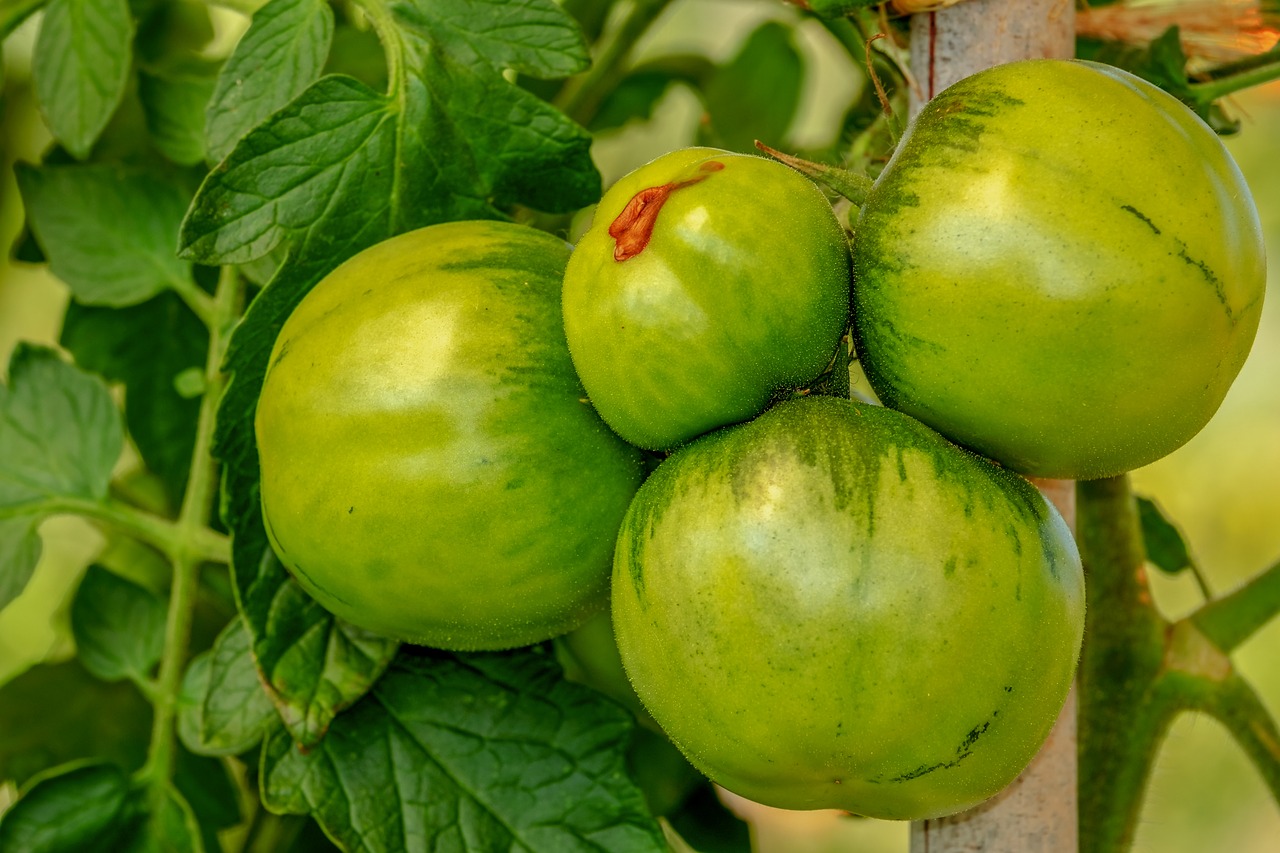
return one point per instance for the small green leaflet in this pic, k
(81, 67)
(1165, 547)
(281, 53)
(60, 436)
(474, 752)
(109, 232)
(118, 626)
(223, 709)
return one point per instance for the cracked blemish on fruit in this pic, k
(633, 228)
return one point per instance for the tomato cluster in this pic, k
(822, 603)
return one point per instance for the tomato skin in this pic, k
(1061, 268)
(431, 469)
(740, 289)
(833, 607)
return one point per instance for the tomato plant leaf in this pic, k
(81, 67)
(476, 752)
(224, 710)
(118, 626)
(60, 436)
(280, 54)
(174, 105)
(55, 713)
(756, 95)
(1165, 547)
(109, 232)
(538, 38)
(79, 806)
(146, 347)
(452, 139)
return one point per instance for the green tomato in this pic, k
(707, 282)
(431, 469)
(1061, 268)
(833, 607)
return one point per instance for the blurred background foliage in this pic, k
(1223, 488)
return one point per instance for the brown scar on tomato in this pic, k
(633, 228)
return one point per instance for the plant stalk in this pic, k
(197, 505)
(1230, 620)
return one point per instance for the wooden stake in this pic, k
(1037, 813)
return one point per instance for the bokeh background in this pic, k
(1222, 488)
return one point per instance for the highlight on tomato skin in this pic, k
(1061, 268)
(707, 283)
(431, 470)
(911, 612)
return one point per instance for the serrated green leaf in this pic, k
(76, 808)
(109, 232)
(756, 95)
(482, 752)
(313, 664)
(224, 709)
(55, 713)
(279, 56)
(535, 37)
(175, 108)
(60, 436)
(453, 140)
(146, 347)
(1166, 549)
(118, 626)
(81, 67)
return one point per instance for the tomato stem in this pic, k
(1211, 90)
(1232, 619)
(186, 555)
(1122, 711)
(848, 184)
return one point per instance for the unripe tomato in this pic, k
(431, 469)
(1061, 267)
(833, 607)
(707, 282)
